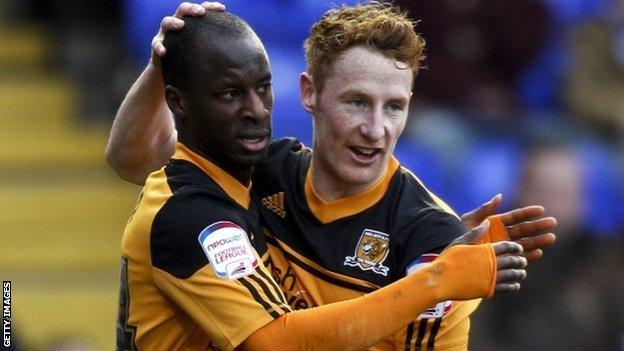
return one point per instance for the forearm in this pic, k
(143, 134)
(361, 323)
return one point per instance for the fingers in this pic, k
(493, 204)
(506, 247)
(537, 242)
(157, 46)
(171, 23)
(533, 255)
(530, 228)
(167, 24)
(479, 214)
(189, 9)
(510, 276)
(521, 214)
(510, 271)
(213, 6)
(510, 262)
(507, 287)
(489, 207)
(532, 246)
(508, 280)
(175, 22)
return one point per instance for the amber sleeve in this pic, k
(462, 272)
(497, 231)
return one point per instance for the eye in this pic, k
(356, 102)
(230, 95)
(395, 107)
(263, 88)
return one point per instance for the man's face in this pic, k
(229, 107)
(358, 116)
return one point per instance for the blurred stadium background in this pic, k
(521, 97)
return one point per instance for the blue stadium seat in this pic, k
(289, 118)
(489, 167)
(424, 162)
(141, 22)
(285, 21)
(539, 84)
(603, 188)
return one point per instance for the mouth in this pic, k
(365, 155)
(254, 142)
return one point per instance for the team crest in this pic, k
(371, 251)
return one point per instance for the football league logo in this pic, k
(371, 251)
(228, 250)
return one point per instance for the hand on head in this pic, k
(175, 22)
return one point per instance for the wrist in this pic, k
(464, 272)
(497, 230)
(153, 69)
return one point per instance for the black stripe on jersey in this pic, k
(267, 292)
(408, 337)
(422, 328)
(181, 173)
(126, 333)
(258, 298)
(318, 273)
(278, 291)
(434, 333)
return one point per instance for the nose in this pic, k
(255, 107)
(373, 127)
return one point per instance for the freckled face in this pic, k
(358, 116)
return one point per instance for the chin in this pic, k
(360, 177)
(252, 160)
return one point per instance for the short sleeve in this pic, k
(203, 259)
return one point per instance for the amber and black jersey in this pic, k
(192, 275)
(324, 252)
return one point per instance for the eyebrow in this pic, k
(266, 77)
(362, 93)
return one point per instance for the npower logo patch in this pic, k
(228, 250)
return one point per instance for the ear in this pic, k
(307, 91)
(175, 101)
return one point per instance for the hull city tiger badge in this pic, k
(371, 251)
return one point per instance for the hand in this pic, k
(510, 263)
(510, 266)
(523, 229)
(475, 217)
(175, 22)
(523, 225)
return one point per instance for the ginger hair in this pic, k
(381, 26)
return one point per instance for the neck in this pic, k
(329, 187)
(242, 175)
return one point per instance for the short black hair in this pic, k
(183, 46)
